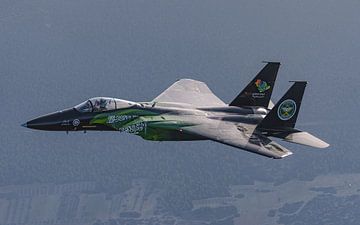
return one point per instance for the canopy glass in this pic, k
(101, 104)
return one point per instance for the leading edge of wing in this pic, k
(229, 134)
(191, 92)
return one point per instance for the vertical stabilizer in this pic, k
(284, 114)
(280, 121)
(259, 90)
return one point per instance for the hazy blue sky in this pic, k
(55, 54)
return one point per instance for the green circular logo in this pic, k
(286, 109)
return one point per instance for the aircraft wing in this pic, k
(191, 92)
(230, 134)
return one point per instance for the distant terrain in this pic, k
(330, 199)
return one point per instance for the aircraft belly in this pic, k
(168, 128)
(161, 134)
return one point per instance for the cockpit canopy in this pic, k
(101, 104)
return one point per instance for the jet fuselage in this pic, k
(151, 121)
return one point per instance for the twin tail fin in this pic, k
(259, 90)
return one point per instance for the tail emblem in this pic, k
(262, 86)
(286, 109)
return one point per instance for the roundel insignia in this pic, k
(286, 109)
(76, 122)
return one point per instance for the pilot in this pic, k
(103, 104)
(97, 105)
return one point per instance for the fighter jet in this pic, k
(188, 110)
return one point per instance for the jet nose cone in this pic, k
(38, 123)
(53, 121)
(47, 122)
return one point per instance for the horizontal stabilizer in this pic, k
(304, 138)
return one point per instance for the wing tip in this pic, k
(287, 154)
(282, 156)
